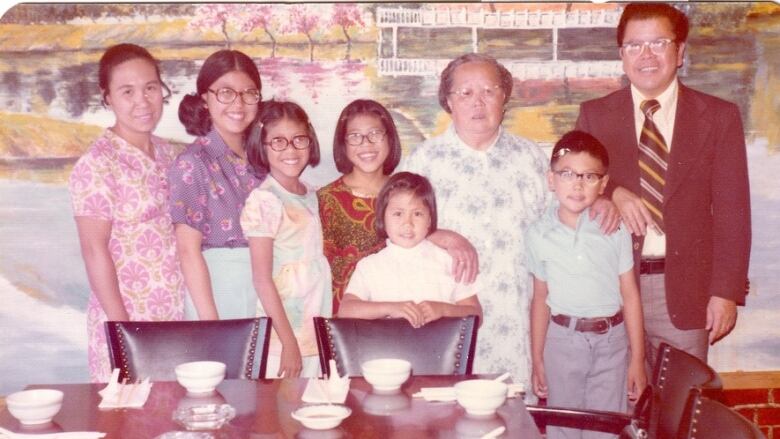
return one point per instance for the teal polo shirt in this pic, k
(581, 266)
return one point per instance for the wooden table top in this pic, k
(263, 410)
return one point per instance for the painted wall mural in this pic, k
(323, 56)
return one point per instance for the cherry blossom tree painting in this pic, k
(304, 19)
(260, 17)
(345, 16)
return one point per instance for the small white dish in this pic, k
(480, 397)
(37, 406)
(386, 374)
(200, 377)
(321, 416)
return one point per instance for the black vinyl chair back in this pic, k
(658, 412)
(153, 349)
(704, 418)
(675, 373)
(442, 347)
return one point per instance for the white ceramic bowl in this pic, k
(36, 406)
(322, 416)
(480, 397)
(386, 374)
(200, 376)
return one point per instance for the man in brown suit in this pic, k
(680, 183)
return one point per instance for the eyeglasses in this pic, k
(279, 144)
(356, 139)
(658, 46)
(486, 93)
(227, 95)
(569, 176)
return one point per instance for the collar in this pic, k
(554, 224)
(214, 145)
(452, 137)
(394, 248)
(667, 99)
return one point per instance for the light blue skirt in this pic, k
(230, 270)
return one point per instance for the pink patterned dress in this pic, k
(115, 181)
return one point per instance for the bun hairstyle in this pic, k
(193, 113)
(116, 55)
(270, 113)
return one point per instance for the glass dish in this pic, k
(204, 417)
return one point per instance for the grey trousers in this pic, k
(585, 370)
(659, 327)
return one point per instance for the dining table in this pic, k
(264, 407)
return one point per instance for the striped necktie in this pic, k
(653, 156)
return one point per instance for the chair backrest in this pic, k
(675, 373)
(704, 418)
(153, 349)
(442, 347)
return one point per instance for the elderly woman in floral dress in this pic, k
(490, 185)
(119, 192)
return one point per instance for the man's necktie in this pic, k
(653, 156)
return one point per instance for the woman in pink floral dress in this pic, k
(119, 191)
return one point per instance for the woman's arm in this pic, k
(261, 253)
(632, 311)
(195, 271)
(465, 260)
(94, 235)
(353, 306)
(540, 321)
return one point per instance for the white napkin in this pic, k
(327, 390)
(64, 435)
(448, 393)
(124, 395)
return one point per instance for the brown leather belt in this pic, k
(652, 266)
(599, 325)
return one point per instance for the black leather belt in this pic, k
(598, 325)
(652, 266)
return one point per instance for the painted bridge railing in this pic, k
(520, 70)
(513, 19)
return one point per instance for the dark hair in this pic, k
(270, 113)
(646, 11)
(445, 84)
(420, 188)
(118, 54)
(192, 112)
(580, 141)
(370, 108)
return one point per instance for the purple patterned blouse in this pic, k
(209, 184)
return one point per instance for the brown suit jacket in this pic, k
(706, 197)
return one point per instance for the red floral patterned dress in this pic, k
(348, 231)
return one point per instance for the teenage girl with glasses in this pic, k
(209, 184)
(281, 222)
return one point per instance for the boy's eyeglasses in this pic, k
(486, 93)
(279, 144)
(570, 176)
(356, 139)
(227, 95)
(658, 46)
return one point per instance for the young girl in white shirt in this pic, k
(411, 278)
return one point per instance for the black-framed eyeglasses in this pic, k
(227, 95)
(658, 47)
(374, 136)
(570, 176)
(279, 144)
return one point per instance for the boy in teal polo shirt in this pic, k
(585, 310)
